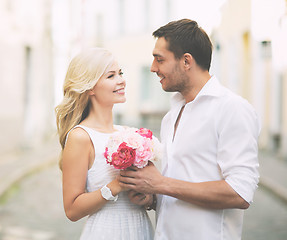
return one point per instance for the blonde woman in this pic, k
(93, 84)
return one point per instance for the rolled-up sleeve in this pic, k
(237, 156)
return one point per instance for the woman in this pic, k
(93, 84)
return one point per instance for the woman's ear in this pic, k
(91, 93)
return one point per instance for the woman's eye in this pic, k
(111, 76)
(121, 73)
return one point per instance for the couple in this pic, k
(209, 167)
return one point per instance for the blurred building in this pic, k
(26, 76)
(39, 38)
(250, 58)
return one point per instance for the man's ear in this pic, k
(188, 60)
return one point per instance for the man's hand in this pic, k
(140, 199)
(212, 194)
(143, 180)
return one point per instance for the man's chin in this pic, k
(168, 89)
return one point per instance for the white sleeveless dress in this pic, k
(120, 220)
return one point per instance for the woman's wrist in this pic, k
(152, 204)
(115, 187)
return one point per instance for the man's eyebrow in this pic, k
(156, 55)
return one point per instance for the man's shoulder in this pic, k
(237, 108)
(233, 100)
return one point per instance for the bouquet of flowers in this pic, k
(132, 147)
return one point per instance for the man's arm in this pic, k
(237, 157)
(213, 194)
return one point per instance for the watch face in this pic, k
(107, 194)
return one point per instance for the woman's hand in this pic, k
(115, 187)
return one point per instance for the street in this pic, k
(33, 210)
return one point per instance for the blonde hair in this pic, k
(83, 73)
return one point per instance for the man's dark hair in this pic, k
(184, 36)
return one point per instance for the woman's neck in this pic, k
(100, 118)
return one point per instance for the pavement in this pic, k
(16, 165)
(273, 174)
(19, 163)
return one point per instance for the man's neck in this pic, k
(198, 80)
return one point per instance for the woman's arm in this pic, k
(78, 155)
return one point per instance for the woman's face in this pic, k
(110, 88)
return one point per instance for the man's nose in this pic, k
(153, 67)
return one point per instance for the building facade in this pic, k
(26, 92)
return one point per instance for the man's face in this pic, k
(169, 69)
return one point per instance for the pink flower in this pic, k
(123, 158)
(132, 146)
(133, 140)
(106, 153)
(145, 132)
(143, 154)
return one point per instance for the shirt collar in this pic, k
(211, 88)
(177, 99)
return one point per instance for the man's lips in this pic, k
(161, 78)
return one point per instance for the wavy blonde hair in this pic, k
(83, 73)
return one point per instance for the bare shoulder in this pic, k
(78, 146)
(76, 155)
(78, 136)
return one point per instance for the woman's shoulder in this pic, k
(78, 135)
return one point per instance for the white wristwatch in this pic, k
(107, 194)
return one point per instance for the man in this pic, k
(210, 164)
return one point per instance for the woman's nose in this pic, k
(121, 80)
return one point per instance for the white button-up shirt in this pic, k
(216, 139)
